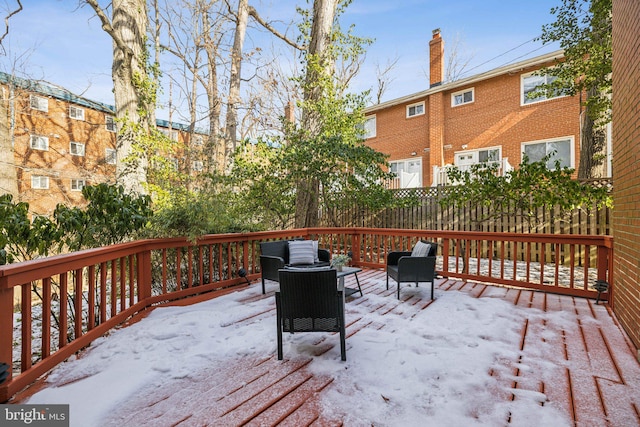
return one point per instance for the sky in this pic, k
(432, 368)
(62, 43)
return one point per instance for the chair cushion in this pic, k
(315, 252)
(301, 252)
(421, 249)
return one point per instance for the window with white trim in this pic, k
(408, 172)
(110, 156)
(486, 155)
(76, 113)
(39, 182)
(369, 127)
(416, 109)
(76, 148)
(78, 184)
(462, 97)
(110, 123)
(197, 166)
(559, 149)
(530, 82)
(39, 103)
(198, 140)
(39, 142)
(174, 163)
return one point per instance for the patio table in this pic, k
(346, 271)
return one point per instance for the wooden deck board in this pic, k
(588, 370)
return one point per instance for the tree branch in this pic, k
(254, 14)
(108, 28)
(6, 20)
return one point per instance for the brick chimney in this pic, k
(436, 59)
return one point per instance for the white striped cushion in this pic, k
(301, 252)
(421, 249)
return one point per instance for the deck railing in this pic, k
(51, 308)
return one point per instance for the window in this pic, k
(76, 113)
(415, 109)
(39, 142)
(198, 140)
(530, 82)
(467, 158)
(171, 134)
(76, 149)
(77, 184)
(462, 97)
(197, 166)
(369, 127)
(39, 182)
(408, 172)
(110, 156)
(110, 123)
(558, 150)
(174, 163)
(39, 103)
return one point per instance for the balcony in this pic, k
(441, 177)
(558, 353)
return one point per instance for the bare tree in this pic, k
(134, 96)
(457, 60)
(384, 77)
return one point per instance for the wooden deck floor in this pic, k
(600, 386)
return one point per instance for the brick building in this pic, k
(486, 117)
(54, 143)
(626, 150)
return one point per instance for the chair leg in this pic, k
(343, 345)
(432, 285)
(263, 289)
(387, 281)
(398, 290)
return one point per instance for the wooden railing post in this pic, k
(144, 274)
(6, 333)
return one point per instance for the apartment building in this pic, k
(53, 143)
(483, 118)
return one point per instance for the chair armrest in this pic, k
(393, 257)
(269, 266)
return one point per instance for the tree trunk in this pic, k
(591, 144)
(234, 80)
(214, 147)
(308, 190)
(8, 173)
(134, 95)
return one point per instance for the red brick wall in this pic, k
(495, 118)
(626, 173)
(56, 162)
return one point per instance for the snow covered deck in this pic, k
(476, 355)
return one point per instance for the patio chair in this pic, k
(309, 301)
(416, 266)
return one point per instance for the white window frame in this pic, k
(39, 103)
(110, 123)
(76, 113)
(476, 155)
(78, 184)
(524, 100)
(197, 166)
(110, 156)
(463, 92)
(76, 149)
(368, 130)
(412, 183)
(39, 182)
(39, 142)
(415, 107)
(570, 139)
(198, 140)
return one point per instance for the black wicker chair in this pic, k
(275, 255)
(402, 267)
(309, 301)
